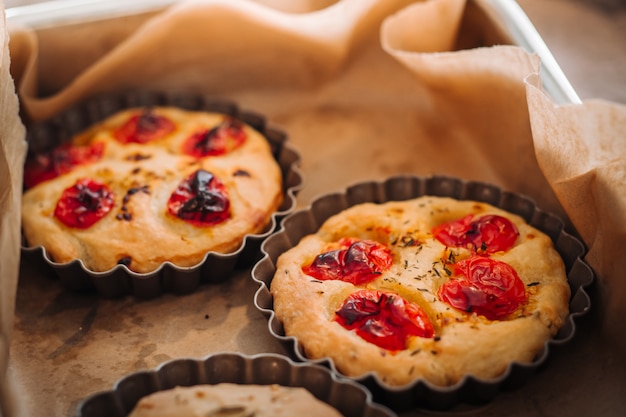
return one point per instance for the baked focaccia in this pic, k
(150, 185)
(234, 400)
(431, 288)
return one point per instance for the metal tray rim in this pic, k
(523, 33)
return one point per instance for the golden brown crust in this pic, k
(250, 173)
(228, 399)
(465, 343)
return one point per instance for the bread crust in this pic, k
(464, 343)
(153, 236)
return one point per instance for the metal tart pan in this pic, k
(349, 398)
(215, 267)
(420, 394)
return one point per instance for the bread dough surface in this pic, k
(152, 236)
(233, 400)
(464, 343)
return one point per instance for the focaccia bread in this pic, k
(233, 400)
(431, 288)
(150, 185)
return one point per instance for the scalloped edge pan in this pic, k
(420, 393)
(215, 267)
(349, 398)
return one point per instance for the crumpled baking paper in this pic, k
(366, 89)
(12, 152)
(581, 150)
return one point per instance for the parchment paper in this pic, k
(366, 89)
(12, 151)
(582, 151)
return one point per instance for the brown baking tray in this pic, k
(421, 393)
(68, 345)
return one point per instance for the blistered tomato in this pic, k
(484, 286)
(485, 234)
(144, 127)
(384, 319)
(84, 203)
(357, 262)
(219, 140)
(200, 199)
(60, 160)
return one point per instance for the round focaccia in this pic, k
(431, 288)
(150, 185)
(227, 399)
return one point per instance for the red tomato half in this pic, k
(487, 287)
(357, 261)
(200, 199)
(60, 160)
(486, 234)
(384, 319)
(84, 203)
(219, 140)
(144, 127)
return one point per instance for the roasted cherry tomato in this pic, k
(84, 203)
(60, 160)
(219, 140)
(484, 286)
(144, 127)
(200, 199)
(485, 234)
(357, 261)
(384, 319)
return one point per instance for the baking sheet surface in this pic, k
(67, 345)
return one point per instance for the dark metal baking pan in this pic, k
(215, 267)
(349, 398)
(422, 394)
